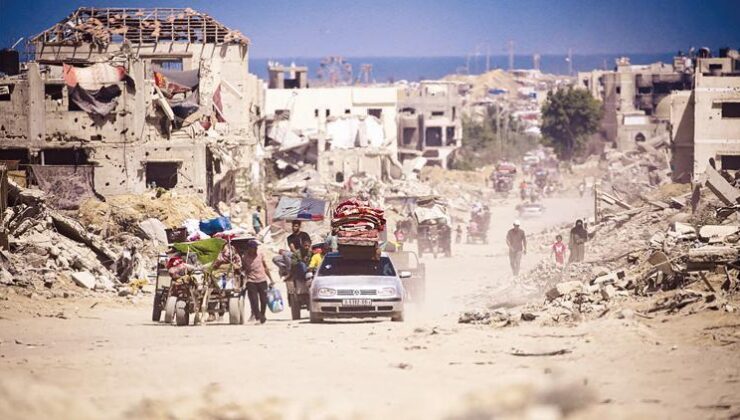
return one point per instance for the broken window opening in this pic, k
(438, 113)
(408, 110)
(433, 137)
(6, 92)
(316, 113)
(375, 112)
(162, 174)
(730, 162)
(409, 133)
(282, 114)
(730, 109)
(339, 177)
(347, 112)
(22, 156)
(640, 137)
(68, 156)
(328, 113)
(454, 113)
(53, 92)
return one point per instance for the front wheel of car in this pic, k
(398, 317)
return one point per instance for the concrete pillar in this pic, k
(139, 102)
(627, 88)
(36, 109)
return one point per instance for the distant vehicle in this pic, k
(352, 288)
(527, 210)
(531, 159)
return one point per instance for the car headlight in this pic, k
(327, 292)
(387, 291)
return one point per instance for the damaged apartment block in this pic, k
(429, 123)
(116, 101)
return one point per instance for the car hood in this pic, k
(355, 282)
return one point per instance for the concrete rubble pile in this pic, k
(49, 249)
(662, 259)
(112, 247)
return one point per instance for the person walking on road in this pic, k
(578, 238)
(256, 275)
(558, 250)
(516, 240)
(256, 220)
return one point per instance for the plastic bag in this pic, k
(275, 300)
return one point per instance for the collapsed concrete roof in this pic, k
(103, 26)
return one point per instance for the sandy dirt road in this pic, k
(110, 361)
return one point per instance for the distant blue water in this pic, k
(389, 69)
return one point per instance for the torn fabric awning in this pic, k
(101, 102)
(173, 81)
(95, 89)
(96, 76)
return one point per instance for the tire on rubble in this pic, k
(157, 306)
(169, 309)
(182, 314)
(235, 314)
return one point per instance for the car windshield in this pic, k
(338, 266)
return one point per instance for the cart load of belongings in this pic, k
(207, 252)
(431, 210)
(357, 227)
(506, 168)
(302, 209)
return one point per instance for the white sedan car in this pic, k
(349, 288)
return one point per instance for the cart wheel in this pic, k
(169, 309)
(242, 318)
(182, 314)
(295, 309)
(157, 306)
(235, 316)
(315, 318)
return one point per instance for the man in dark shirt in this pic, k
(297, 238)
(517, 242)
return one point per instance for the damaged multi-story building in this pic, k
(636, 99)
(341, 130)
(115, 101)
(429, 123)
(705, 121)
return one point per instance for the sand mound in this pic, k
(124, 212)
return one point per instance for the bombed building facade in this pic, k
(705, 121)
(121, 100)
(636, 98)
(429, 123)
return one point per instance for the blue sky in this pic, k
(314, 28)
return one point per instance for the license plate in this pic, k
(356, 302)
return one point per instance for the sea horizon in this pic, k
(387, 69)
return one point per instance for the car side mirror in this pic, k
(404, 274)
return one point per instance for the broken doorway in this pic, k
(162, 174)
